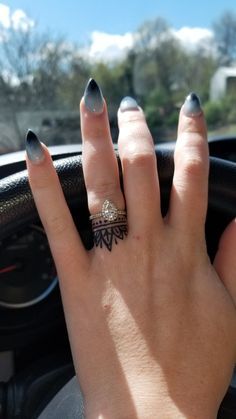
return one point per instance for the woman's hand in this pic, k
(152, 324)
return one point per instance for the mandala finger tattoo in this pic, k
(106, 233)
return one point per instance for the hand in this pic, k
(152, 324)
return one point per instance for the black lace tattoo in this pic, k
(105, 233)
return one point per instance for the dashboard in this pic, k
(30, 305)
(27, 272)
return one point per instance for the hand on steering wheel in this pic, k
(152, 324)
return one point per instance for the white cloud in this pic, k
(16, 19)
(20, 21)
(108, 47)
(193, 38)
(4, 16)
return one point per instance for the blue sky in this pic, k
(77, 19)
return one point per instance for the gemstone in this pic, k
(109, 211)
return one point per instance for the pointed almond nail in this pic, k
(93, 97)
(192, 105)
(34, 147)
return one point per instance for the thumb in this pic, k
(225, 259)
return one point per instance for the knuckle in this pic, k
(130, 117)
(103, 189)
(134, 129)
(139, 158)
(193, 165)
(192, 157)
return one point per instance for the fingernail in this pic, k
(128, 104)
(93, 97)
(34, 147)
(192, 105)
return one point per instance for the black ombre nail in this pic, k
(93, 97)
(192, 105)
(128, 104)
(34, 147)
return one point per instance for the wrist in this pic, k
(124, 411)
(143, 405)
(143, 396)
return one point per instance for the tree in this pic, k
(225, 37)
(158, 73)
(16, 51)
(159, 59)
(33, 68)
(51, 73)
(150, 33)
(197, 77)
(72, 88)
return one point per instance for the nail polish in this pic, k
(128, 104)
(93, 97)
(192, 105)
(34, 147)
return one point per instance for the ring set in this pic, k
(109, 226)
(109, 212)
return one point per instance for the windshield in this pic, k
(156, 52)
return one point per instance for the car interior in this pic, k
(35, 354)
(42, 78)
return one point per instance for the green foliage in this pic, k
(172, 119)
(213, 113)
(73, 83)
(222, 112)
(161, 113)
(232, 115)
(228, 105)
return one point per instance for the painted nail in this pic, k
(34, 147)
(192, 105)
(128, 104)
(93, 97)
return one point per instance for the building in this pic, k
(223, 82)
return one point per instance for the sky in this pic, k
(107, 25)
(77, 19)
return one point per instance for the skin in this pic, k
(152, 324)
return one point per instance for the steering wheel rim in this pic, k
(17, 207)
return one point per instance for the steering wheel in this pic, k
(17, 207)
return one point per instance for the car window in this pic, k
(154, 52)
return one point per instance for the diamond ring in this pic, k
(109, 212)
(109, 226)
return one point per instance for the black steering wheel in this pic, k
(17, 207)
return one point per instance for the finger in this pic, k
(99, 161)
(188, 202)
(67, 249)
(139, 167)
(225, 261)
(100, 165)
